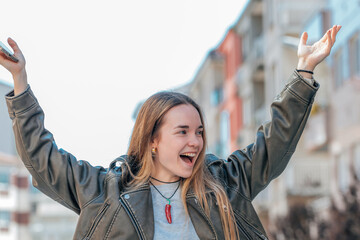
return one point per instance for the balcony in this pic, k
(260, 116)
(316, 135)
(310, 178)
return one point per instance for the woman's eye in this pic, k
(200, 132)
(183, 132)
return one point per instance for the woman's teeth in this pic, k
(188, 156)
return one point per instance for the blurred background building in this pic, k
(235, 85)
(25, 213)
(14, 195)
(245, 72)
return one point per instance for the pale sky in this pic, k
(89, 63)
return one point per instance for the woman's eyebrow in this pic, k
(182, 126)
(186, 126)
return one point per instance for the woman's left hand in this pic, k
(311, 56)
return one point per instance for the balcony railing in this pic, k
(308, 178)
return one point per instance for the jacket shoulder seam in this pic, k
(224, 183)
(101, 194)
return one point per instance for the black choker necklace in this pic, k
(163, 181)
(167, 206)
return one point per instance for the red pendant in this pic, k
(168, 212)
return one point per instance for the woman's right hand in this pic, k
(17, 70)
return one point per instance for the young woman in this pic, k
(166, 187)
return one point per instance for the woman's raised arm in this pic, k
(250, 170)
(56, 172)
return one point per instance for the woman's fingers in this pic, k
(325, 37)
(333, 34)
(335, 31)
(13, 67)
(14, 46)
(328, 36)
(304, 38)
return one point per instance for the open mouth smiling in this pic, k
(188, 157)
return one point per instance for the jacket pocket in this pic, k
(96, 221)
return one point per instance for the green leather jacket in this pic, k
(108, 211)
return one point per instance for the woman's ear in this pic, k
(154, 141)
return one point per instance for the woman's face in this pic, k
(178, 143)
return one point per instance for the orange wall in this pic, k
(230, 48)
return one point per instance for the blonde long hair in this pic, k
(148, 121)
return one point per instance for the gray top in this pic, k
(181, 226)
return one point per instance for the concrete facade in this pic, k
(231, 110)
(307, 176)
(49, 219)
(14, 199)
(207, 90)
(259, 53)
(343, 92)
(7, 142)
(14, 181)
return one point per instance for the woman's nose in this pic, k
(195, 141)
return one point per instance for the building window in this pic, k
(216, 96)
(354, 55)
(225, 134)
(357, 159)
(21, 181)
(276, 82)
(270, 12)
(338, 68)
(4, 220)
(247, 112)
(4, 181)
(343, 171)
(290, 177)
(245, 46)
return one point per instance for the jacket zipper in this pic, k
(132, 218)
(243, 230)
(206, 217)
(96, 221)
(257, 232)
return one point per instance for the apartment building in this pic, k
(259, 52)
(343, 92)
(14, 181)
(49, 219)
(307, 175)
(206, 89)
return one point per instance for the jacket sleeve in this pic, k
(250, 170)
(54, 171)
